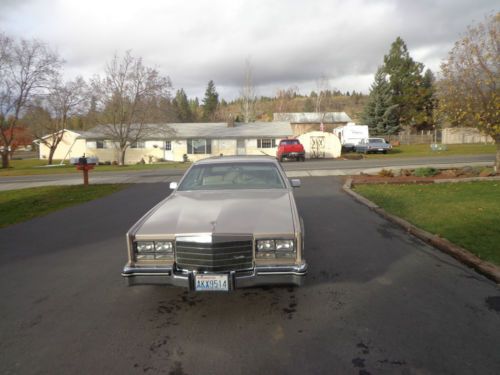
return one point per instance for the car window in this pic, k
(377, 140)
(230, 176)
(290, 142)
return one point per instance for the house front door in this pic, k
(240, 147)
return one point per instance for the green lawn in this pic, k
(467, 213)
(409, 151)
(37, 167)
(21, 205)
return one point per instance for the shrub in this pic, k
(425, 172)
(486, 172)
(386, 173)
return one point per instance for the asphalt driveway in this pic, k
(376, 301)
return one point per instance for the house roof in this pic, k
(209, 130)
(312, 117)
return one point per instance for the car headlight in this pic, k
(145, 247)
(164, 246)
(272, 249)
(263, 245)
(149, 250)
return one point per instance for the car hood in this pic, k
(227, 212)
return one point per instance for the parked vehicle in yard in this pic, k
(351, 135)
(373, 145)
(290, 149)
(231, 222)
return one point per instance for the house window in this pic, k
(138, 144)
(168, 145)
(199, 146)
(266, 143)
(100, 144)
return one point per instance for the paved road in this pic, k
(376, 301)
(324, 167)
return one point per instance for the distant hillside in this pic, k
(265, 107)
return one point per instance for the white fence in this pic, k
(465, 135)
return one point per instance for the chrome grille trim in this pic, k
(223, 254)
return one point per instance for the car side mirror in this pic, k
(295, 182)
(173, 185)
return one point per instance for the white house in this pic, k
(173, 141)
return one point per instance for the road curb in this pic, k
(462, 255)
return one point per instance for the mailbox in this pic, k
(84, 164)
(90, 160)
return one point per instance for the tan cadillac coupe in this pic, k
(231, 222)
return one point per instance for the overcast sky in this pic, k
(289, 43)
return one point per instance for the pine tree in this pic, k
(405, 80)
(429, 102)
(380, 114)
(308, 105)
(210, 102)
(182, 107)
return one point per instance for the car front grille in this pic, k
(221, 255)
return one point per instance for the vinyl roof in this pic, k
(209, 130)
(312, 117)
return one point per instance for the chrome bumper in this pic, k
(259, 276)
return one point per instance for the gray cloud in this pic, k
(290, 43)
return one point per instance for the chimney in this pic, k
(230, 121)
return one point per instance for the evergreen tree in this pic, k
(405, 79)
(308, 105)
(380, 114)
(210, 102)
(194, 105)
(182, 108)
(429, 102)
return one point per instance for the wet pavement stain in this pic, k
(493, 303)
(177, 370)
(365, 348)
(395, 363)
(292, 304)
(358, 362)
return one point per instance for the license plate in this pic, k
(211, 283)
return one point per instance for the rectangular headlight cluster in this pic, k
(150, 250)
(272, 249)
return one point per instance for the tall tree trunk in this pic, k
(52, 150)
(122, 156)
(5, 158)
(497, 163)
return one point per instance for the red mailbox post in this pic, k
(84, 166)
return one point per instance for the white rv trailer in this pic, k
(351, 134)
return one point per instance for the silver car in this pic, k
(231, 222)
(373, 145)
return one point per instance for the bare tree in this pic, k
(468, 91)
(248, 97)
(26, 67)
(284, 98)
(322, 84)
(63, 101)
(127, 94)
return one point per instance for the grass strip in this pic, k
(28, 167)
(20, 205)
(467, 213)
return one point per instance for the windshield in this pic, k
(230, 176)
(376, 140)
(289, 142)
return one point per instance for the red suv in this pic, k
(290, 149)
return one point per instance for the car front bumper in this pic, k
(258, 276)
